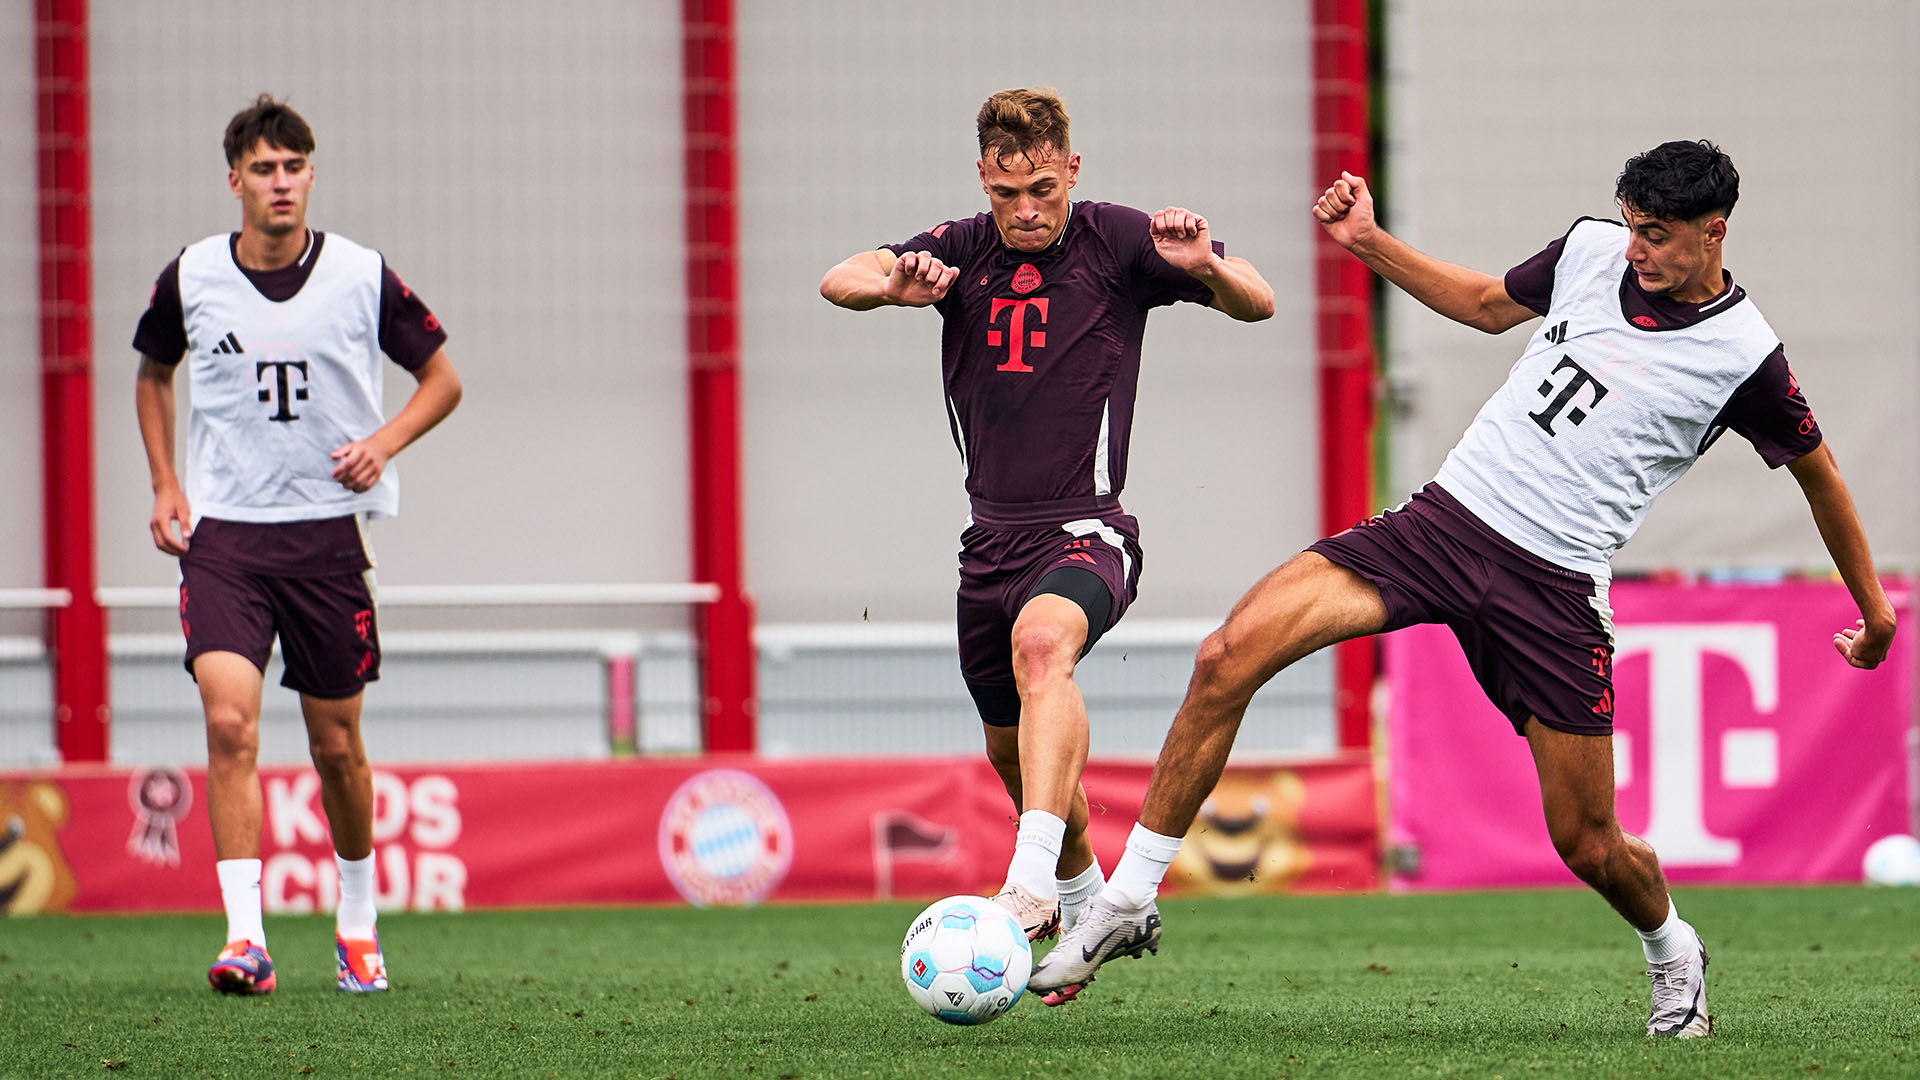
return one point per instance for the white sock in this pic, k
(1137, 879)
(354, 920)
(1036, 852)
(1673, 940)
(240, 894)
(1077, 892)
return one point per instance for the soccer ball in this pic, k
(965, 960)
(1892, 860)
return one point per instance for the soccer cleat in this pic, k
(1039, 918)
(243, 968)
(1102, 933)
(1680, 996)
(362, 969)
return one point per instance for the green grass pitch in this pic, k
(1804, 982)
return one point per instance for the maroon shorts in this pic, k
(240, 586)
(1002, 568)
(1539, 637)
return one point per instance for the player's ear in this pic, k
(233, 182)
(1716, 229)
(1073, 169)
(981, 165)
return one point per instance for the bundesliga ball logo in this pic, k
(725, 839)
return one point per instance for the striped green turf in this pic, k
(1804, 982)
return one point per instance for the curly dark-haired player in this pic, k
(1649, 352)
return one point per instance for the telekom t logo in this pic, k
(1749, 757)
(1581, 377)
(280, 391)
(1021, 338)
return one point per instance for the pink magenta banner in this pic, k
(709, 831)
(1745, 748)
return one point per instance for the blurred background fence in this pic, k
(523, 167)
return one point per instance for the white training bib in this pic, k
(278, 386)
(1600, 415)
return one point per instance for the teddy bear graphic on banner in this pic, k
(34, 875)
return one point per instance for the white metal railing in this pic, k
(16, 599)
(618, 650)
(466, 595)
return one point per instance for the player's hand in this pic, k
(360, 465)
(1345, 210)
(918, 279)
(170, 512)
(1181, 238)
(1864, 647)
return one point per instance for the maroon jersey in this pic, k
(1040, 353)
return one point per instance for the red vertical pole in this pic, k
(1344, 293)
(713, 387)
(78, 633)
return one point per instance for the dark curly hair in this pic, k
(1680, 181)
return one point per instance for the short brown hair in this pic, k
(1016, 121)
(267, 119)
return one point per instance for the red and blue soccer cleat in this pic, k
(243, 968)
(361, 967)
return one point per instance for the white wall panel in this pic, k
(519, 165)
(1511, 118)
(20, 504)
(857, 129)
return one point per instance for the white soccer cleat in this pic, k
(1102, 932)
(1037, 918)
(1680, 996)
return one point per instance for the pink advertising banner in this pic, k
(1745, 748)
(709, 831)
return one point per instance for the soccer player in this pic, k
(1649, 352)
(1044, 301)
(288, 455)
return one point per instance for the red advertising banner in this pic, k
(711, 831)
(1745, 748)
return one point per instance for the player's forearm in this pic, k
(153, 405)
(432, 401)
(1238, 289)
(1450, 289)
(856, 284)
(1845, 539)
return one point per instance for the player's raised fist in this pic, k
(918, 279)
(1181, 238)
(1345, 210)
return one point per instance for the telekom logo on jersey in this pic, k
(1749, 756)
(1017, 337)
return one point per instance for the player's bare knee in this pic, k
(335, 754)
(233, 735)
(1220, 671)
(1589, 854)
(1042, 652)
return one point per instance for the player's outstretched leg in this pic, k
(1680, 995)
(1105, 930)
(243, 968)
(1577, 794)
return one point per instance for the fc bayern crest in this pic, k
(725, 839)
